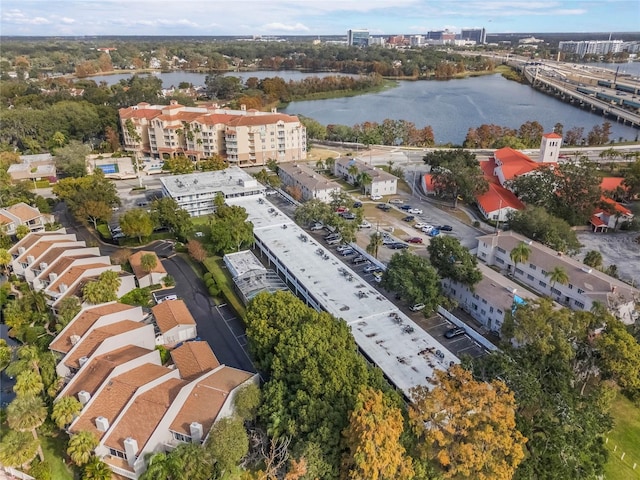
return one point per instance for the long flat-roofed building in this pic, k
(405, 353)
(586, 285)
(196, 192)
(244, 137)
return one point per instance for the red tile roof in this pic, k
(597, 222)
(609, 184)
(171, 313)
(514, 163)
(498, 197)
(618, 208)
(136, 264)
(552, 135)
(488, 169)
(194, 358)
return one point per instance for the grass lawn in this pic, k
(626, 437)
(54, 454)
(215, 265)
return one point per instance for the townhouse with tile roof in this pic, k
(145, 278)
(244, 137)
(309, 182)
(174, 322)
(22, 214)
(382, 182)
(585, 288)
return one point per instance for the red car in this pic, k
(414, 240)
(342, 210)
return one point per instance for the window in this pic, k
(117, 453)
(499, 312)
(475, 307)
(501, 250)
(484, 301)
(579, 304)
(529, 277)
(483, 312)
(499, 260)
(555, 291)
(490, 309)
(542, 284)
(544, 273)
(519, 272)
(532, 266)
(181, 438)
(580, 291)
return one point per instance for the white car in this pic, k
(427, 229)
(415, 211)
(365, 224)
(420, 226)
(376, 197)
(396, 201)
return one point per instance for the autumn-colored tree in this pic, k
(373, 438)
(467, 426)
(196, 250)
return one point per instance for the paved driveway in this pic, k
(217, 325)
(617, 248)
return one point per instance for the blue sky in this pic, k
(311, 17)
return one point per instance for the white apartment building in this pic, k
(592, 47)
(586, 286)
(244, 137)
(22, 214)
(490, 299)
(310, 183)
(196, 192)
(382, 183)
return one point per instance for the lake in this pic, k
(451, 107)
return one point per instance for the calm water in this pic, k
(450, 107)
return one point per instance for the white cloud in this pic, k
(297, 27)
(16, 17)
(67, 20)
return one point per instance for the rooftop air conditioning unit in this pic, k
(43, 266)
(63, 287)
(21, 250)
(74, 339)
(53, 277)
(30, 259)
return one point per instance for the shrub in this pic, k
(214, 291)
(169, 281)
(210, 283)
(207, 276)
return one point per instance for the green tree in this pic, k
(593, 258)
(536, 188)
(577, 191)
(166, 212)
(5, 260)
(456, 173)
(414, 278)
(247, 401)
(454, 261)
(194, 462)
(81, 446)
(26, 414)
(620, 356)
(467, 426)
(375, 242)
(18, 449)
(148, 262)
(230, 229)
(95, 211)
(65, 410)
(519, 254)
(71, 159)
(373, 439)
(102, 290)
(632, 179)
(136, 223)
(22, 231)
(161, 466)
(67, 310)
(6, 352)
(178, 165)
(539, 225)
(558, 275)
(364, 180)
(28, 383)
(228, 444)
(96, 469)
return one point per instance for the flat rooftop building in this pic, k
(405, 353)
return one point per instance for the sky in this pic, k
(311, 17)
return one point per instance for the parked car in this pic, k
(417, 307)
(384, 206)
(445, 228)
(349, 216)
(118, 236)
(365, 224)
(357, 204)
(270, 191)
(347, 252)
(427, 228)
(331, 235)
(316, 226)
(342, 209)
(397, 246)
(409, 218)
(358, 260)
(420, 225)
(406, 208)
(415, 211)
(396, 201)
(454, 332)
(434, 232)
(414, 240)
(371, 269)
(343, 247)
(376, 197)
(377, 276)
(334, 240)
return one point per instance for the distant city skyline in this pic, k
(311, 17)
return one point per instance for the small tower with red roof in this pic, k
(550, 148)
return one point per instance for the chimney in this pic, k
(84, 397)
(274, 110)
(102, 424)
(196, 432)
(63, 287)
(243, 107)
(21, 250)
(43, 266)
(83, 360)
(53, 277)
(30, 259)
(130, 450)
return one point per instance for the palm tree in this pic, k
(81, 446)
(160, 467)
(353, 172)
(375, 241)
(18, 449)
(6, 352)
(148, 262)
(25, 414)
(519, 254)
(558, 275)
(193, 461)
(96, 469)
(320, 165)
(5, 259)
(65, 410)
(330, 163)
(364, 179)
(28, 383)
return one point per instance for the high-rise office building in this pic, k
(358, 38)
(478, 35)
